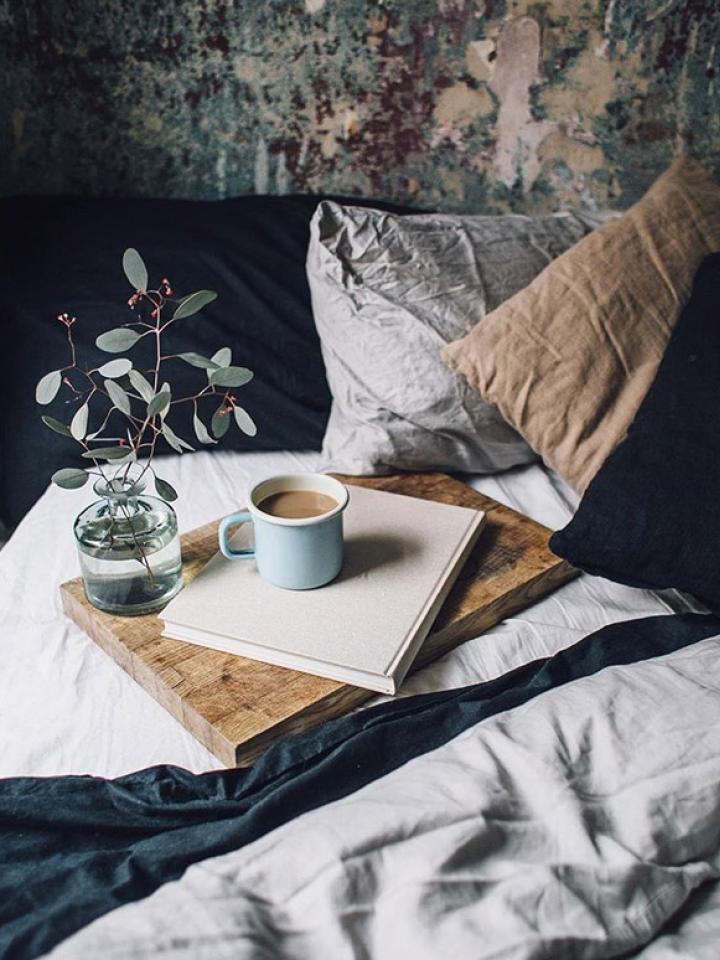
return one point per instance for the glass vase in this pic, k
(129, 549)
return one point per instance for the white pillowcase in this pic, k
(388, 293)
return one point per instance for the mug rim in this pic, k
(298, 481)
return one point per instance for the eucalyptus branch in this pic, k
(143, 397)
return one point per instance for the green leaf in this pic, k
(141, 385)
(70, 478)
(201, 430)
(223, 358)
(171, 438)
(193, 303)
(135, 269)
(231, 377)
(117, 340)
(245, 421)
(78, 424)
(107, 453)
(165, 490)
(48, 387)
(197, 360)
(159, 403)
(118, 396)
(56, 425)
(220, 422)
(115, 368)
(176, 442)
(165, 388)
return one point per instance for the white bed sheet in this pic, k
(65, 707)
(568, 828)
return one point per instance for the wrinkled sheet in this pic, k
(66, 707)
(575, 825)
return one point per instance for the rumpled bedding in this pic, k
(403, 852)
(574, 825)
(73, 848)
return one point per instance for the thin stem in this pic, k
(142, 558)
(72, 344)
(208, 391)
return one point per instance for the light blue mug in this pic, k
(294, 553)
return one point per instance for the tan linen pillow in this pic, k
(569, 359)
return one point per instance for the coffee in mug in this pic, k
(294, 504)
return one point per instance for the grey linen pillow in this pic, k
(388, 293)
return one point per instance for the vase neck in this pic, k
(120, 495)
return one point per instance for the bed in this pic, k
(550, 788)
(81, 714)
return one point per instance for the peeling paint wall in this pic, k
(458, 104)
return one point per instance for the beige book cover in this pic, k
(402, 555)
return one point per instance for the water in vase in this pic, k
(129, 552)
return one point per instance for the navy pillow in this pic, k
(651, 516)
(64, 254)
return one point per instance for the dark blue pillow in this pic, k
(651, 516)
(64, 254)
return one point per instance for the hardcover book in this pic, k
(402, 556)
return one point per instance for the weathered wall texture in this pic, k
(460, 104)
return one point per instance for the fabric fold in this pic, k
(73, 848)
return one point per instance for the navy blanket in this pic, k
(73, 848)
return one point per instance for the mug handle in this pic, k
(225, 525)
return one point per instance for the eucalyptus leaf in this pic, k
(197, 360)
(171, 438)
(223, 357)
(141, 385)
(193, 303)
(117, 340)
(165, 388)
(78, 424)
(107, 453)
(47, 387)
(245, 421)
(115, 368)
(70, 478)
(220, 422)
(176, 442)
(165, 490)
(135, 269)
(118, 397)
(159, 403)
(201, 430)
(56, 425)
(231, 377)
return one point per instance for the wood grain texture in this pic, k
(237, 707)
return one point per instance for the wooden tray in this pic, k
(237, 707)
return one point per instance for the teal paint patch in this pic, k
(417, 102)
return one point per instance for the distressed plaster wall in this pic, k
(451, 103)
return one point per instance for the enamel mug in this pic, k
(294, 553)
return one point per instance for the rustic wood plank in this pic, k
(238, 707)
